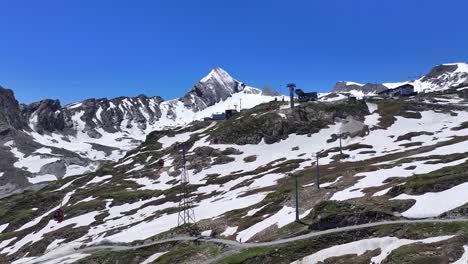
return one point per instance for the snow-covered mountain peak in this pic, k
(217, 86)
(219, 75)
(461, 66)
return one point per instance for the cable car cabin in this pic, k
(161, 163)
(230, 113)
(306, 97)
(59, 215)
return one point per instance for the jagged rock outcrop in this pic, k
(10, 115)
(268, 91)
(272, 124)
(367, 88)
(44, 116)
(440, 77)
(445, 76)
(76, 138)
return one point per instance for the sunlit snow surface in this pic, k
(386, 245)
(138, 221)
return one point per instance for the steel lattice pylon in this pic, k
(186, 212)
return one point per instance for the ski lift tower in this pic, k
(291, 87)
(186, 213)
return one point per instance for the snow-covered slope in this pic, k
(394, 163)
(80, 136)
(441, 77)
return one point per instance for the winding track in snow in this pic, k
(237, 246)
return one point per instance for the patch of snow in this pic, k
(3, 227)
(44, 151)
(432, 204)
(464, 257)
(254, 211)
(281, 218)
(229, 231)
(327, 184)
(386, 244)
(5, 243)
(206, 233)
(153, 257)
(32, 163)
(377, 178)
(354, 83)
(42, 178)
(382, 192)
(99, 179)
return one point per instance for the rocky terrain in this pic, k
(395, 193)
(44, 141)
(439, 78)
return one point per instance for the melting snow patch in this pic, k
(33, 163)
(153, 257)
(433, 204)
(327, 184)
(99, 179)
(464, 258)
(168, 141)
(206, 233)
(229, 231)
(281, 218)
(3, 227)
(382, 192)
(42, 178)
(253, 211)
(5, 243)
(377, 178)
(386, 244)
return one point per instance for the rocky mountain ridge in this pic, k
(402, 159)
(78, 137)
(441, 77)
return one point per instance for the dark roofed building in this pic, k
(403, 90)
(305, 97)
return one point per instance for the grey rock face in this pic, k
(44, 116)
(215, 87)
(268, 91)
(112, 114)
(95, 118)
(440, 77)
(10, 115)
(445, 75)
(57, 168)
(438, 71)
(367, 88)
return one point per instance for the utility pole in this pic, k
(317, 179)
(296, 197)
(240, 105)
(291, 87)
(341, 150)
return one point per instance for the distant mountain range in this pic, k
(440, 77)
(78, 137)
(45, 141)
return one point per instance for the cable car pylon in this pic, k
(186, 217)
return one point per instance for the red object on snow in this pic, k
(59, 215)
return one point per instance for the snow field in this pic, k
(386, 244)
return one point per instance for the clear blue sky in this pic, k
(72, 50)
